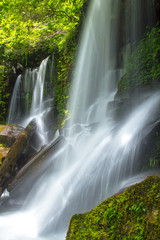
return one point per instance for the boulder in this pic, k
(13, 159)
(133, 214)
(9, 133)
(3, 153)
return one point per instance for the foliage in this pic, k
(143, 66)
(30, 31)
(27, 24)
(134, 214)
(3, 93)
(64, 66)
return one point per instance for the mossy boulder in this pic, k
(3, 153)
(133, 214)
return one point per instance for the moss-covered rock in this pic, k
(133, 214)
(3, 153)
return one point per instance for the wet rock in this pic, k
(3, 153)
(14, 159)
(9, 133)
(119, 108)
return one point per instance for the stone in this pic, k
(9, 133)
(14, 158)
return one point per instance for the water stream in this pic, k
(98, 155)
(32, 98)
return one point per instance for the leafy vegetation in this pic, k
(143, 66)
(4, 93)
(30, 31)
(134, 214)
(29, 24)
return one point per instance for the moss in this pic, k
(4, 91)
(2, 127)
(1, 159)
(134, 214)
(143, 68)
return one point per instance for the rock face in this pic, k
(133, 214)
(14, 159)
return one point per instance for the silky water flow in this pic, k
(32, 98)
(98, 155)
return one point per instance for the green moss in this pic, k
(134, 214)
(1, 157)
(143, 66)
(2, 127)
(6, 141)
(3, 145)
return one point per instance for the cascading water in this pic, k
(98, 153)
(15, 107)
(32, 98)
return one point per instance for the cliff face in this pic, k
(133, 214)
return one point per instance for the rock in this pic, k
(3, 153)
(133, 214)
(13, 159)
(1, 191)
(9, 133)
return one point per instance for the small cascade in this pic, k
(32, 98)
(15, 106)
(30, 79)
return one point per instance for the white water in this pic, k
(33, 99)
(99, 154)
(15, 106)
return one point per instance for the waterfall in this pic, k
(102, 52)
(15, 106)
(98, 153)
(32, 98)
